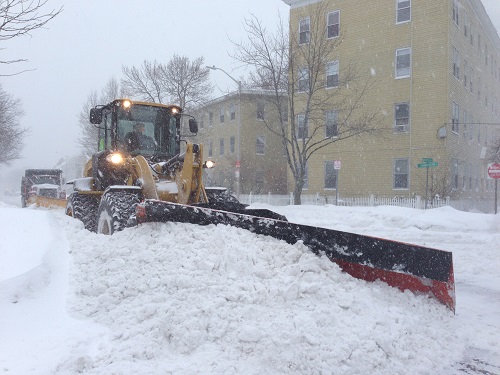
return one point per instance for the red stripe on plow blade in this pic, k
(443, 291)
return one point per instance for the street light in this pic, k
(238, 151)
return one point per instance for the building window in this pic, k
(456, 63)
(261, 144)
(261, 107)
(454, 173)
(465, 123)
(333, 24)
(221, 146)
(303, 79)
(306, 178)
(259, 182)
(222, 112)
(455, 12)
(402, 117)
(403, 62)
(466, 72)
(330, 175)
(403, 11)
(331, 124)
(231, 144)
(302, 127)
(304, 30)
(466, 25)
(210, 118)
(210, 148)
(232, 111)
(332, 74)
(455, 117)
(401, 173)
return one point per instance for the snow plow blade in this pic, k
(47, 202)
(401, 265)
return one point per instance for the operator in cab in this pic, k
(137, 140)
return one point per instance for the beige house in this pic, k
(235, 133)
(436, 65)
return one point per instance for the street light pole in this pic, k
(238, 150)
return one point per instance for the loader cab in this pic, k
(119, 125)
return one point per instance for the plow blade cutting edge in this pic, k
(401, 265)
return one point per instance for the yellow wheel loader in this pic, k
(140, 174)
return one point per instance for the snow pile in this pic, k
(182, 299)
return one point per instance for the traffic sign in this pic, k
(494, 170)
(428, 165)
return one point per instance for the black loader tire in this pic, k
(84, 208)
(115, 210)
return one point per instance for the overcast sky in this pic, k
(87, 44)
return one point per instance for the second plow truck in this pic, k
(140, 174)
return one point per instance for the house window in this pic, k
(330, 175)
(222, 112)
(402, 117)
(403, 11)
(221, 146)
(333, 24)
(261, 144)
(304, 30)
(332, 74)
(331, 124)
(454, 173)
(232, 111)
(210, 118)
(466, 25)
(261, 107)
(403, 62)
(302, 128)
(456, 63)
(455, 117)
(401, 173)
(210, 147)
(303, 79)
(306, 178)
(231, 144)
(455, 12)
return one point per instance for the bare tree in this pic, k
(20, 18)
(11, 133)
(88, 132)
(145, 83)
(187, 82)
(296, 72)
(182, 82)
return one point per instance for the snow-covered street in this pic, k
(183, 299)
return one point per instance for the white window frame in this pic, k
(260, 146)
(396, 173)
(331, 23)
(303, 84)
(404, 72)
(302, 127)
(401, 127)
(332, 70)
(456, 63)
(400, 10)
(331, 124)
(330, 180)
(221, 147)
(304, 30)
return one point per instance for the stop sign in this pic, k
(494, 170)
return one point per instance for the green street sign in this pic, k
(428, 165)
(427, 160)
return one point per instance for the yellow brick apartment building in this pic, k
(436, 65)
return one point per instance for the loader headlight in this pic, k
(209, 164)
(126, 104)
(115, 158)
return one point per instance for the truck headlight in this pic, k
(115, 158)
(209, 164)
